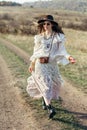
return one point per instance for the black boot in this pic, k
(51, 111)
(44, 105)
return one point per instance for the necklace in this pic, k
(48, 36)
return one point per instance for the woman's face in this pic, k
(47, 26)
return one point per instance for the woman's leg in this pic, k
(51, 110)
(47, 101)
(44, 106)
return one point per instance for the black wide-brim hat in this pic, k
(47, 18)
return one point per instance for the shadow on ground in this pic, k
(69, 121)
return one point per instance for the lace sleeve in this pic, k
(36, 46)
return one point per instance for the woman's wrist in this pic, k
(71, 59)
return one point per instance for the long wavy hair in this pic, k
(55, 27)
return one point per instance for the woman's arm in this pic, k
(63, 51)
(32, 58)
(32, 66)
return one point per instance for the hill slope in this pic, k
(75, 5)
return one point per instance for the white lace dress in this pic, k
(46, 79)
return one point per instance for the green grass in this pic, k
(20, 70)
(76, 45)
(24, 42)
(64, 117)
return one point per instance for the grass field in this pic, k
(76, 44)
(64, 118)
(19, 20)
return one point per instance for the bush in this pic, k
(3, 28)
(84, 25)
(6, 17)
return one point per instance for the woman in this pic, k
(48, 51)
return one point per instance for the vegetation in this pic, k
(63, 118)
(19, 20)
(74, 5)
(4, 3)
(75, 46)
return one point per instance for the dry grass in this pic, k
(76, 44)
(64, 118)
(76, 40)
(23, 41)
(19, 19)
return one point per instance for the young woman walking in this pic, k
(49, 50)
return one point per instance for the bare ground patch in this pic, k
(74, 100)
(14, 114)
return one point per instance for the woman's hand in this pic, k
(72, 60)
(31, 67)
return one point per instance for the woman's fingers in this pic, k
(72, 60)
(30, 69)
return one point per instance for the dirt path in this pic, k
(14, 115)
(76, 102)
(22, 54)
(73, 99)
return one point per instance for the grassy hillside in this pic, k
(76, 45)
(4, 3)
(75, 5)
(76, 74)
(19, 20)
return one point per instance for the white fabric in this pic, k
(58, 51)
(46, 80)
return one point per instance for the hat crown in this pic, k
(49, 17)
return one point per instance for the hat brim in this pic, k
(43, 20)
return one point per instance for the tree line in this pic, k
(4, 3)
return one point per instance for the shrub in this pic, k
(6, 17)
(3, 28)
